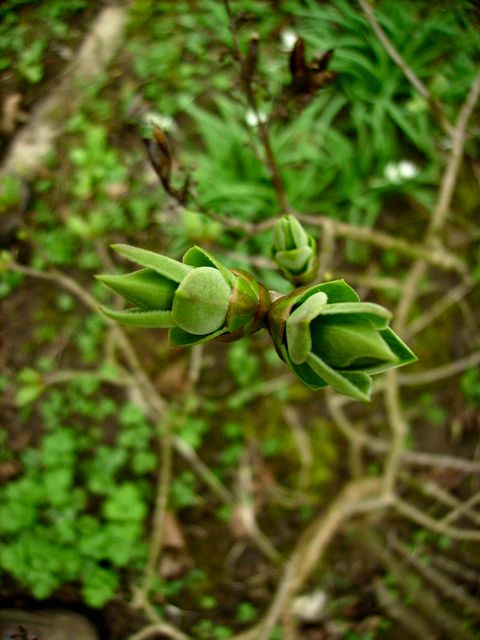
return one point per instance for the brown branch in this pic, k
(436, 256)
(438, 308)
(439, 373)
(464, 509)
(451, 590)
(445, 195)
(355, 436)
(157, 628)
(302, 442)
(377, 446)
(420, 517)
(437, 107)
(399, 430)
(147, 390)
(433, 490)
(395, 412)
(456, 569)
(66, 375)
(327, 247)
(309, 549)
(400, 612)
(246, 77)
(426, 601)
(164, 437)
(425, 459)
(458, 138)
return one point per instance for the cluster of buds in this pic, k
(294, 251)
(322, 331)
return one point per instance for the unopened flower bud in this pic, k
(294, 251)
(198, 299)
(328, 337)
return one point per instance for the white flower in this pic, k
(166, 123)
(397, 172)
(310, 607)
(407, 169)
(287, 40)
(252, 118)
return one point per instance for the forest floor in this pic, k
(206, 493)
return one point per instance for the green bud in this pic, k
(201, 301)
(328, 337)
(198, 300)
(294, 251)
(6, 259)
(146, 288)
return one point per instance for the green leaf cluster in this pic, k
(77, 512)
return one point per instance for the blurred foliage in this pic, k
(365, 150)
(78, 511)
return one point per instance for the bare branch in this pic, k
(308, 551)
(439, 373)
(436, 256)
(156, 628)
(164, 438)
(451, 590)
(437, 108)
(400, 612)
(420, 517)
(428, 604)
(246, 76)
(438, 308)
(465, 509)
(445, 195)
(151, 396)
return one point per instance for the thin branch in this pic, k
(252, 103)
(440, 211)
(195, 365)
(399, 430)
(159, 628)
(426, 601)
(309, 549)
(262, 389)
(327, 247)
(400, 612)
(457, 569)
(420, 517)
(379, 447)
(436, 256)
(433, 490)
(356, 438)
(302, 443)
(370, 281)
(66, 375)
(429, 316)
(458, 137)
(246, 510)
(394, 408)
(425, 459)
(451, 590)
(439, 373)
(164, 436)
(465, 509)
(143, 383)
(437, 108)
